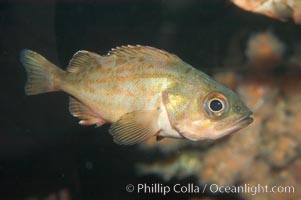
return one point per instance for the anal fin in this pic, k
(77, 109)
(135, 127)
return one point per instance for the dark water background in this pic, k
(42, 148)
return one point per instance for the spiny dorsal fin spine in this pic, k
(143, 51)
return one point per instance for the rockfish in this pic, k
(142, 91)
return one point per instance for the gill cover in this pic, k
(180, 109)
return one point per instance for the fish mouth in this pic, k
(240, 123)
(243, 121)
(233, 127)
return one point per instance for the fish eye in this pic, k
(216, 104)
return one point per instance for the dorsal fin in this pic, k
(83, 59)
(147, 52)
(77, 109)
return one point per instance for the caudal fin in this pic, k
(42, 75)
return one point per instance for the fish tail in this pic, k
(42, 75)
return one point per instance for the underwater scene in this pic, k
(170, 99)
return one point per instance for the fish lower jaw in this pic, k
(233, 128)
(197, 137)
(207, 134)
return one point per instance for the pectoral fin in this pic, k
(135, 127)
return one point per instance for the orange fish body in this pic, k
(141, 90)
